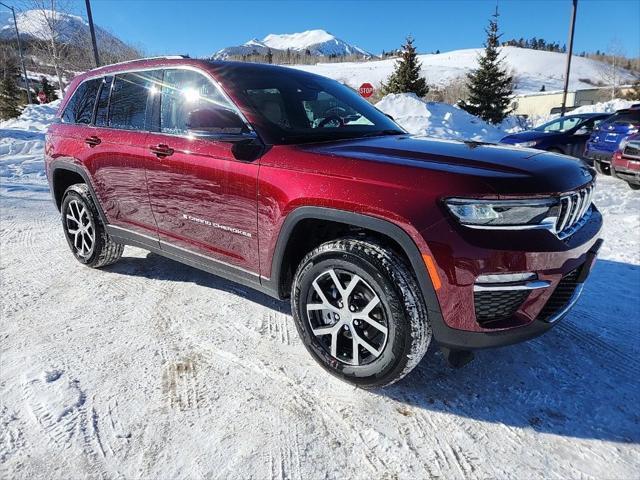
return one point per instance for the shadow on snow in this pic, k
(578, 380)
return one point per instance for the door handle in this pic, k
(92, 141)
(161, 150)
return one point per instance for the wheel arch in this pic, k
(354, 222)
(63, 175)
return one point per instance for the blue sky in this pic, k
(200, 28)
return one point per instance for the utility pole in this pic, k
(24, 69)
(93, 33)
(572, 25)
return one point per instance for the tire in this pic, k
(602, 170)
(634, 186)
(385, 292)
(92, 246)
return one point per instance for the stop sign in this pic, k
(366, 90)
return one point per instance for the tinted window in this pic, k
(128, 104)
(103, 102)
(185, 91)
(80, 106)
(630, 116)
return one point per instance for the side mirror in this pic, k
(218, 124)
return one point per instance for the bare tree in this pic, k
(611, 64)
(54, 33)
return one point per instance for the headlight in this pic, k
(530, 143)
(533, 213)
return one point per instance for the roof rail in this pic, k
(160, 57)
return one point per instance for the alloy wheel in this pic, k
(80, 228)
(347, 317)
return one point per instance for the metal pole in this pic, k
(24, 69)
(93, 33)
(569, 54)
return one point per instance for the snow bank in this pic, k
(610, 106)
(436, 119)
(531, 69)
(34, 118)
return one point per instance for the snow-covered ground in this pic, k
(151, 369)
(531, 68)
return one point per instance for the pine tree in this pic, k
(48, 90)
(406, 76)
(490, 86)
(9, 91)
(269, 56)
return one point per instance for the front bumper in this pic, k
(601, 156)
(462, 260)
(626, 174)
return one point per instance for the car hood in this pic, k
(527, 136)
(505, 169)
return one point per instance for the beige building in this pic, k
(541, 103)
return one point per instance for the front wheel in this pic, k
(634, 186)
(601, 168)
(359, 312)
(85, 233)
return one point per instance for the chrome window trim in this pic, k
(207, 75)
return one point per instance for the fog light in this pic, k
(506, 277)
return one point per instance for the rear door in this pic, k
(202, 196)
(117, 151)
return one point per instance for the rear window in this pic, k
(80, 107)
(128, 103)
(625, 117)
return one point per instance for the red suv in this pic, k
(292, 184)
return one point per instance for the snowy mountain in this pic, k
(319, 43)
(34, 25)
(531, 69)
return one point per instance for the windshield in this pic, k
(560, 125)
(292, 107)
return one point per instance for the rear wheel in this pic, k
(634, 186)
(358, 310)
(85, 233)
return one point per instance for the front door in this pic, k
(203, 198)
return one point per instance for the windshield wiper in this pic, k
(380, 133)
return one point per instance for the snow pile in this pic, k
(531, 69)
(34, 118)
(610, 106)
(318, 42)
(436, 119)
(22, 149)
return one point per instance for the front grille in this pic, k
(497, 305)
(573, 209)
(561, 295)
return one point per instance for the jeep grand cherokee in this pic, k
(292, 184)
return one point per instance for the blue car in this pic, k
(566, 134)
(606, 138)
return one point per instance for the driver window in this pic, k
(183, 92)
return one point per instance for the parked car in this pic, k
(292, 184)
(625, 163)
(607, 136)
(566, 134)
